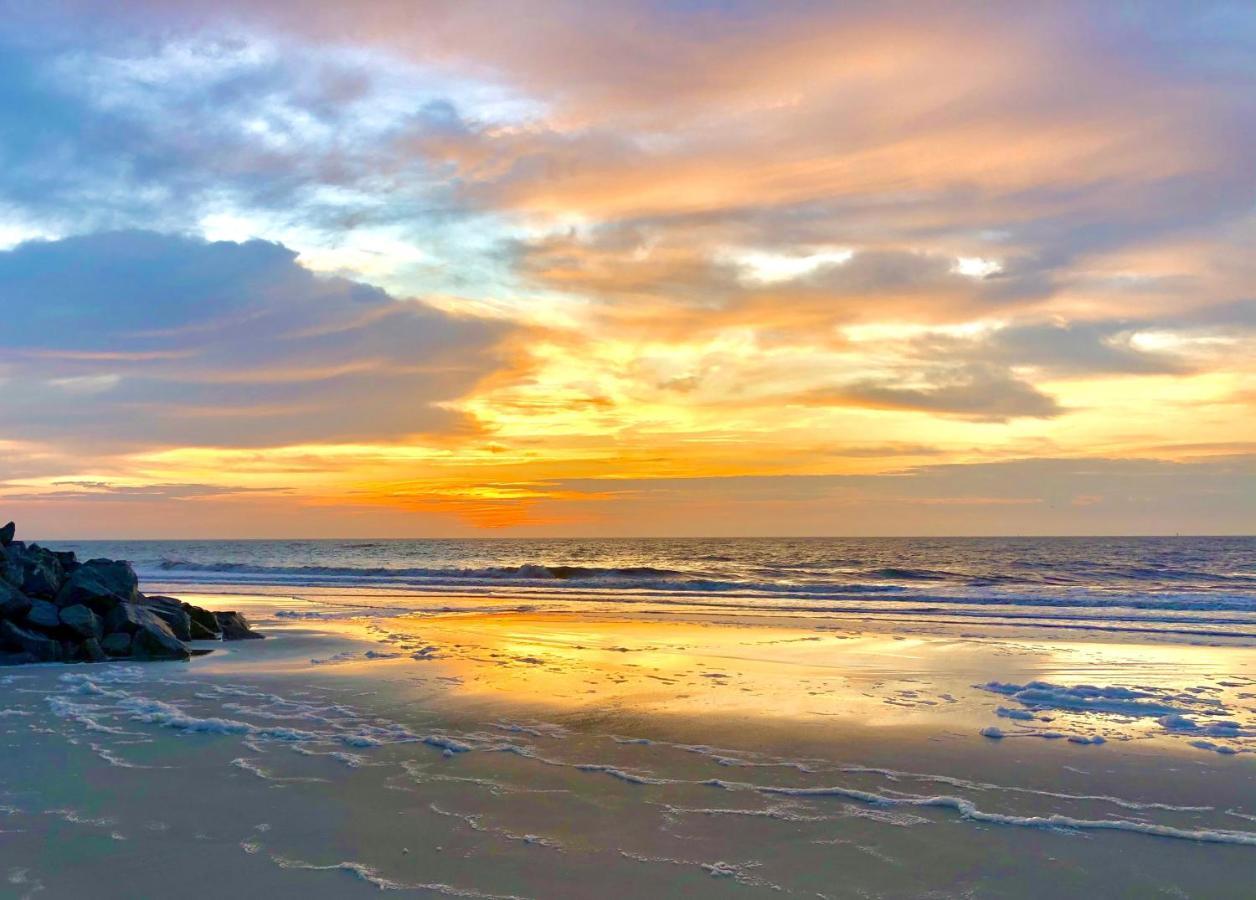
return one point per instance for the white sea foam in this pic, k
(373, 877)
(968, 810)
(1085, 697)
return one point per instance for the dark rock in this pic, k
(117, 644)
(69, 563)
(43, 615)
(126, 618)
(235, 627)
(42, 575)
(82, 621)
(54, 608)
(91, 651)
(170, 611)
(42, 647)
(11, 563)
(199, 632)
(13, 603)
(100, 585)
(154, 640)
(204, 624)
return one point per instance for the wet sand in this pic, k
(608, 753)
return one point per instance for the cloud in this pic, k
(140, 339)
(976, 392)
(612, 182)
(103, 492)
(1040, 496)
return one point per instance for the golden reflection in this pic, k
(587, 662)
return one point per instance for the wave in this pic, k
(530, 572)
(637, 583)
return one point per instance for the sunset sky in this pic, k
(462, 268)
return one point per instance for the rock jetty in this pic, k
(54, 608)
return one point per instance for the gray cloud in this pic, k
(1075, 348)
(104, 492)
(981, 393)
(1205, 495)
(135, 338)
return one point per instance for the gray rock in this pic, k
(41, 573)
(235, 627)
(42, 647)
(43, 615)
(170, 611)
(13, 603)
(117, 644)
(153, 640)
(126, 618)
(11, 563)
(69, 562)
(199, 632)
(7, 533)
(91, 651)
(204, 624)
(100, 585)
(82, 621)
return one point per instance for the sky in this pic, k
(406, 268)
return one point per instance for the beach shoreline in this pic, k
(560, 752)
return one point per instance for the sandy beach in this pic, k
(500, 752)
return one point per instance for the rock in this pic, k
(11, 563)
(100, 584)
(154, 640)
(91, 651)
(42, 647)
(170, 611)
(42, 575)
(13, 603)
(43, 615)
(235, 627)
(82, 621)
(117, 644)
(55, 609)
(204, 624)
(69, 562)
(199, 632)
(126, 618)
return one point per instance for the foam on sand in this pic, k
(968, 810)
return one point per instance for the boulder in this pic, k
(91, 651)
(82, 621)
(117, 644)
(100, 585)
(126, 618)
(154, 640)
(235, 627)
(42, 575)
(16, 638)
(69, 563)
(170, 611)
(11, 563)
(43, 614)
(13, 603)
(54, 608)
(204, 624)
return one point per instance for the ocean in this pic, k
(1187, 585)
(988, 718)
